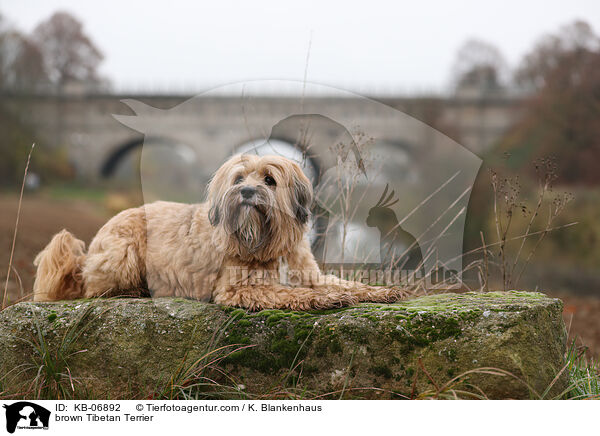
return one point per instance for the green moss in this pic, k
(452, 355)
(354, 333)
(244, 323)
(301, 334)
(308, 370)
(286, 351)
(252, 358)
(335, 346)
(381, 370)
(52, 316)
(427, 328)
(238, 313)
(327, 311)
(240, 340)
(274, 319)
(226, 309)
(321, 346)
(281, 348)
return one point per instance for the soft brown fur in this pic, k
(251, 254)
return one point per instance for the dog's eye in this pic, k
(238, 179)
(270, 181)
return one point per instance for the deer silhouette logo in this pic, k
(398, 249)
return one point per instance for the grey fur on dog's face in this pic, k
(248, 219)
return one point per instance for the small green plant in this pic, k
(204, 378)
(53, 378)
(584, 375)
(195, 380)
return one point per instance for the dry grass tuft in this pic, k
(12, 249)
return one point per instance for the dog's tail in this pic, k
(59, 265)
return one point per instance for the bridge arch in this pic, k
(119, 152)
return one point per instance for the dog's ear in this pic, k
(302, 193)
(214, 214)
(214, 211)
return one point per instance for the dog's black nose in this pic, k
(247, 192)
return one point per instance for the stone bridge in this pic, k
(96, 141)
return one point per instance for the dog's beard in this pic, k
(249, 227)
(248, 221)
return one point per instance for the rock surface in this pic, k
(124, 348)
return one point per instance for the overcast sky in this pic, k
(368, 45)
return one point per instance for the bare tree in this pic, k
(69, 54)
(479, 64)
(21, 63)
(572, 44)
(5, 25)
(561, 118)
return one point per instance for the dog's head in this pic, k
(262, 205)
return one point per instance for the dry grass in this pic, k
(14, 240)
(508, 203)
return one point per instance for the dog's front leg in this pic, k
(304, 271)
(282, 297)
(360, 291)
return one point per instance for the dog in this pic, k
(246, 247)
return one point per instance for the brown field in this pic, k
(43, 215)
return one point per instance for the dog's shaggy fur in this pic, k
(245, 247)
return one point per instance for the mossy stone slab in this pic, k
(413, 348)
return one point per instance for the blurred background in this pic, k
(516, 84)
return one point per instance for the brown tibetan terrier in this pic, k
(245, 247)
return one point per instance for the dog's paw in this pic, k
(391, 294)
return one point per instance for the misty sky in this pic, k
(362, 46)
